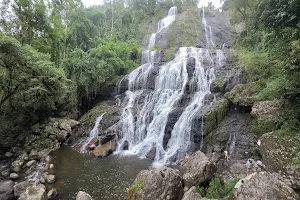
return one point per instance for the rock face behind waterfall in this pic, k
(158, 184)
(197, 169)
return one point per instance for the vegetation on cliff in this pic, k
(269, 49)
(58, 58)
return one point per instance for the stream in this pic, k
(102, 178)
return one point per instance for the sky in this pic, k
(91, 2)
(216, 3)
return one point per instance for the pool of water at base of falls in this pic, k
(102, 178)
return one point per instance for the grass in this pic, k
(135, 188)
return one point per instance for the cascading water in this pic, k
(155, 91)
(207, 31)
(163, 23)
(93, 133)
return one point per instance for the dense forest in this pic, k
(269, 49)
(58, 57)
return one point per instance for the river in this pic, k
(102, 178)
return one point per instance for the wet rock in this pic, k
(83, 196)
(31, 163)
(35, 154)
(262, 185)
(105, 149)
(6, 190)
(62, 136)
(8, 154)
(197, 169)
(190, 67)
(5, 173)
(192, 194)
(215, 115)
(20, 188)
(52, 194)
(34, 192)
(16, 168)
(14, 176)
(87, 120)
(234, 134)
(50, 178)
(165, 183)
(218, 85)
(278, 153)
(151, 154)
(65, 126)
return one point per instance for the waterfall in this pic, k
(163, 23)
(207, 31)
(154, 92)
(93, 133)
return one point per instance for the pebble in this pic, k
(8, 154)
(13, 176)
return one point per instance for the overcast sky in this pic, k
(216, 3)
(91, 2)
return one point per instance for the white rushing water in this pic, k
(93, 133)
(207, 31)
(163, 23)
(154, 92)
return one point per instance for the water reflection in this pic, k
(102, 178)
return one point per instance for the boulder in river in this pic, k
(34, 192)
(83, 196)
(50, 178)
(52, 194)
(197, 169)
(14, 176)
(165, 183)
(20, 188)
(262, 185)
(6, 190)
(105, 149)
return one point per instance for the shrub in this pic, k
(218, 188)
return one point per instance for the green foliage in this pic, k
(156, 47)
(31, 86)
(218, 188)
(134, 189)
(277, 13)
(269, 49)
(98, 70)
(262, 126)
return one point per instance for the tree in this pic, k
(280, 13)
(30, 84)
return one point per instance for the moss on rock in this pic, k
(215, 116)
(267, 116)
(218, 85)
(241, 94)
(279, 150)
